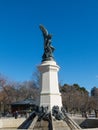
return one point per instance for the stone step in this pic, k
(41, 125)
(60, 125)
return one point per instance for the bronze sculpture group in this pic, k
(48, 49)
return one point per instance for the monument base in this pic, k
(50, 100)
(44, 120)
(50, 95)
(57, 125)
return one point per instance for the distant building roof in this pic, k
(28, 101)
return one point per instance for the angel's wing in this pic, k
(44, 31)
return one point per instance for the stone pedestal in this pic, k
(50, 95)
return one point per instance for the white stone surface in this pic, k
(50, 95)
(11, 122)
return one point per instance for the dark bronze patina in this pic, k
(48, 49)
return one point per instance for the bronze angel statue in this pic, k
(48, 49)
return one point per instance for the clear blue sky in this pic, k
(74, 25)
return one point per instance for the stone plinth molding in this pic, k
(49, 95)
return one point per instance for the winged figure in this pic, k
(48, 49)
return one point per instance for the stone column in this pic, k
(49, 95)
